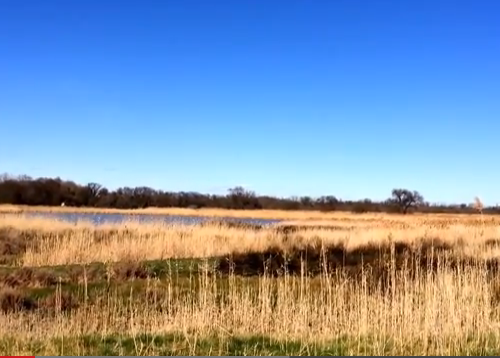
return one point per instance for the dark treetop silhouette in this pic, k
(23, 190)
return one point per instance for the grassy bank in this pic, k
(180, 344)
(365, 287)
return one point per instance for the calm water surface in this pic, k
(103, 218)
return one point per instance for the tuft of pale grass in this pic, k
(169, 241)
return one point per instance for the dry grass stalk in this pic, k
(434, 310)
(60, 243)
(429, 314)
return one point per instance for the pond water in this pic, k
(106, 218)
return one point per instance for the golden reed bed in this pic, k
(450, 314)
(59, 242)
(441, 309)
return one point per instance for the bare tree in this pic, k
(94, 189)
(24, 177)
(241, 192)
(406, 199)
(91, 193)
(4, 177)
(243, 199)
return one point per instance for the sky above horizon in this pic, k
(330, 97)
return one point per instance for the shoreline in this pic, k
(299, 216)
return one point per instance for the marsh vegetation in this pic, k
(352, 284)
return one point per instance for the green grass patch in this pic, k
(149, 291)
(51, 276)
(183, 345)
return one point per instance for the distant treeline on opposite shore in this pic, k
(24, 190)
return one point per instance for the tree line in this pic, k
(24, 190)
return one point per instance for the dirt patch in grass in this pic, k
(37, 277)
(15, 300)
(13, 243)
(26, 276)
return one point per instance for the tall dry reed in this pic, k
(440, 313)
(438, 309)
(60, 243)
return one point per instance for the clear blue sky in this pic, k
(344, 97)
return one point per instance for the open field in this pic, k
(344, 284)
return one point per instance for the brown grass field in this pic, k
(317, 284)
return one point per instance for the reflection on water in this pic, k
(106, 218)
